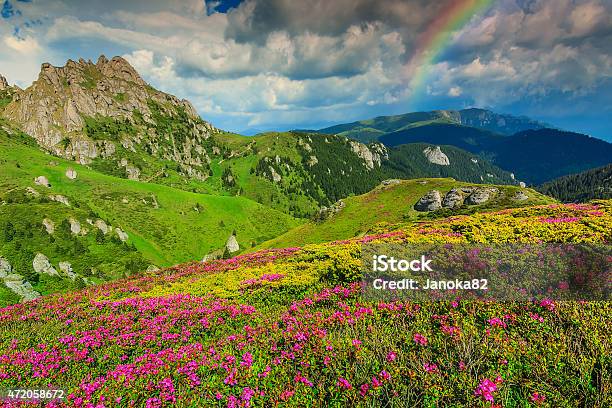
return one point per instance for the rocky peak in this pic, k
(3, 83)
(55, 109)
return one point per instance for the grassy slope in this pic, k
(172, 233)
(206, 334)
(388, 204)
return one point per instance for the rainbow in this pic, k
(437, 38)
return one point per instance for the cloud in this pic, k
(275, 62)
(25, 45)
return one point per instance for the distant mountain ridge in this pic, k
(371, 129)
(532, 150)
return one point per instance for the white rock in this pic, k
(275, 176)
(66, 267)
(523, 185)
(429, 202)
(42, 181)
(32, 192)
(49, 225)
(60, 199)
(232, 244)
(21, 287)
(123, 236)
(71, 173)
(41, 264)
(436, 156)
(5, 267)
(101, 225)
(75, 226)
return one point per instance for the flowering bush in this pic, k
(277, 328)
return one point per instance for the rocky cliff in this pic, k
(85, 110)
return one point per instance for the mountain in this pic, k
(103, 115)
(372, 129)
(537, 156)
(90, 227)
(394, 201)
(464, 137)
(581, 187)
(534, 156)
(106, 115)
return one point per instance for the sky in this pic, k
(258, 65)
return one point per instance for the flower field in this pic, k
(290, 328)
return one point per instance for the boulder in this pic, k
(5, 267)
(66, 267)
(71, 174)
(49, 226)
(132, 172)
(75, 226)
(520, 196)
(123, 236)
(32, 192)
(275, 176)
(101, 225)
(232, 244)
(60, 199)
(436, 156)
(479, 196)
(41, 264)
(42, 181)
(429, 202)
(21, 287)
(452, 199)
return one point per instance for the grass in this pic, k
(390, 204)
(287, 328)
(162, 222)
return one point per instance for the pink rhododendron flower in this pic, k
(420, 339)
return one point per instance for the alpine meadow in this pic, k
(196, 198)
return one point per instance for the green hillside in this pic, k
(581, 187)
(393, 202)
(164, 225)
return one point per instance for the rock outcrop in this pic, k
(5, 267)
(16, 282)
(123, 236)
(20, 287)
(429, 202)
(42, 181)
(232, 244)
(520, 196)
(436, 156)
(49, 226)
(60, 199)
(55, 108)
(452, 199)
(41, 264)
(102, 226)
(371, 156)
(71, 174)
(75, 226)
(480, 195)
(3, 83)
(66, 268)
